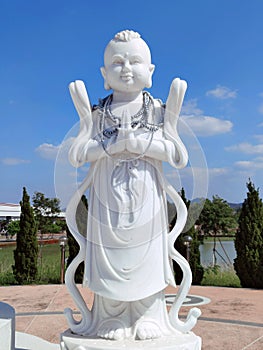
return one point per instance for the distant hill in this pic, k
(235, 206)
(172, 210)
(198, 200)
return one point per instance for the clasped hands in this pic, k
(126, 140)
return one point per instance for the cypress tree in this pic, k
(194, 261)
(249, 240)
(26, 252)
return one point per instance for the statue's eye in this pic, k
(136, 61)
(117, 61)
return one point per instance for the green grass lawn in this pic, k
(48, 264)
(49, 269)
(216, 276)
(6, 258)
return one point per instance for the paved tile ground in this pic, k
(233, 320)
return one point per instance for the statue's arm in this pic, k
(84, 148)
(159, 149)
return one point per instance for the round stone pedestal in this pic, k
(7, 326)
(187, 341)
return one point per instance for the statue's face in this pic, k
(128, 66)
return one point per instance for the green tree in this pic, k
(217, 217)
(46, 212)
(13, 228)
(26, 252)
(194, 261)
(249, 240)
(81, 219)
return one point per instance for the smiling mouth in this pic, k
(126, 77)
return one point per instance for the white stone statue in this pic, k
(128, 248)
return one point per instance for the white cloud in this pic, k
(201, 124)
(218, 171)
(222, 92)
(190, 107)
(254, 164)
(246, 148)
(199, 172)
(259, 138)
(48, 151)
(245, 164)
(207, 126)
(14, 161)
(260, 125)
(260, 108)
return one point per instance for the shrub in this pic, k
(26, 252)
(249, 241)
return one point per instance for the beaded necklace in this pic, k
(138, 120)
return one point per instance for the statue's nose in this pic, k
(126, 66)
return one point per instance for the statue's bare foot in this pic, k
(148, 330)
(111, 331)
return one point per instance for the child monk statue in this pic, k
(128, 247)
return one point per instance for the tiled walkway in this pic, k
(233, 320)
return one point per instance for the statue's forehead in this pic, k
(135, 46)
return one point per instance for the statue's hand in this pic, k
(81, 100)
(126, 140)
(132, 142)
(126, 133)
(119, 145)
(174, 101)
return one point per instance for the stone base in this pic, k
(31, 342)
(187, 341)
(7, 326)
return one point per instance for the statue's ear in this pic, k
(103, 72)
(151, 70)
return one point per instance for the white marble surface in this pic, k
(7, 326)
(180, 342)
(125, 139)
(26, 341)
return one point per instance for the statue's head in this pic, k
(127, 63)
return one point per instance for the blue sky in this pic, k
(216, 46)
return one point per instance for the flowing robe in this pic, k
(126, 252)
